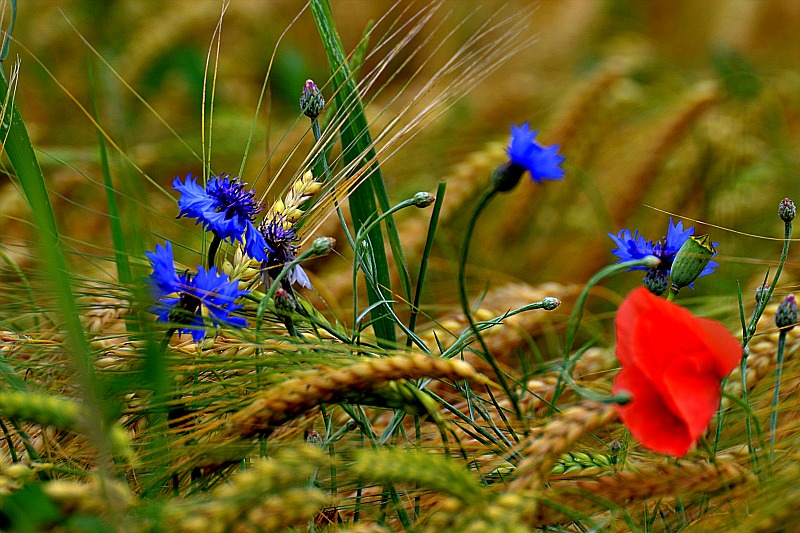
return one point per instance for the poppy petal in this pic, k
(695, 395)
(726, 349)
(672, 364)
(649, 420)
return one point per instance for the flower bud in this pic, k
(323, 245)
(787, 210)
(762, 292)
(313, 437)
(423, 199)
(550, 303)
(285, 304)
(786, 316)
(311, 101)
(690, 260)
(656, 280)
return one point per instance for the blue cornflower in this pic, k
(224, 207)
(281, 238)
(632, 246)
(181, 296)
(541, 161)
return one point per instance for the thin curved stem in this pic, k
(462, 291)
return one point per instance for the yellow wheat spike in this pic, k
(291, 398)
(586, 497)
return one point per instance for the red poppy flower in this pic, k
(672, 364)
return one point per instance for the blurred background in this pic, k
(663, 106)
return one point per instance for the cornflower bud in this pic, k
(786, 210)
(423, 199)
(284, 303)
(786, 316)
(551, 303)
(323, 245)
(311, 101)
(761, 292)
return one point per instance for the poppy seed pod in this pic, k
(691, 260)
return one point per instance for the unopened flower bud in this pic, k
(284, 303)
(690, 260)
(787, 210)
(311, 101)
(323, 245)
(656, 281)
(423, 199)
(622, 397)
(786, 316)
(762, 292)
(550, 303)
(313, 437)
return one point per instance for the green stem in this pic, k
(212, 250)
(423, 265)
(749, 332)
(483, 201)
(759, 310)
(315, 129)
(773, 419)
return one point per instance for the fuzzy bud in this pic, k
(787, 210)
(690, 260)
(786, 316)
(311, 101)
(323, 245)
(423, 199)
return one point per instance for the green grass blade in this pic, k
(117, 234)
(18, 148)
(357, 145)
(423, 265)
(9, 31)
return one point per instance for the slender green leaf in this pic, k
(357, 146)
(117, 233)
(18, 148)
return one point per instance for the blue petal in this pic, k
(255, 244)
(676, 236)
(194, 202)
(542, 162)
(632, 246)
(163, 280)
(299, 276)
(218, 296)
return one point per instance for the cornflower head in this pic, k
(527, 155)
(181, 298)
(632, 246)
(225, 208)
(282, 238)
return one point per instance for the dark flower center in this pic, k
(232, 198)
